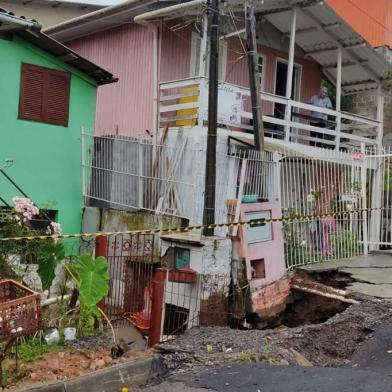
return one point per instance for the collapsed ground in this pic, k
(312, 331)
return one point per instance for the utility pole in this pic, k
(210, 175)
(254, 80)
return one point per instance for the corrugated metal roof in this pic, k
(363, 66)
(30, 30)
(106, 18)
(372, 19)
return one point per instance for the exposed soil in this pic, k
(331, 343)
(66, 364)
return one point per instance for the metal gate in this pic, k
(379, 197)
(131, 269)
(330, 191)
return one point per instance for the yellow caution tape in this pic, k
(184, 229)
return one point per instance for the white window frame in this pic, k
(195, 57)
(298, 86)
(263, 71)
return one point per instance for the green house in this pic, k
(47, 95)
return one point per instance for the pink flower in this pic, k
(54, 228)
(25, 207)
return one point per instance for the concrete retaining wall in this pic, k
(111, 379)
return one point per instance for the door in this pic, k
(281, 83)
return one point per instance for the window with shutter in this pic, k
(44, 95)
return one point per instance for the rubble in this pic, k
(331, 343)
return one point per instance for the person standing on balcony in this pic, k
(318, 119)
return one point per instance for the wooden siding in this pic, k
(371, 19)
(175, 53)
(237, 71)
(125, 107)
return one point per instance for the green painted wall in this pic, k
(47, 158)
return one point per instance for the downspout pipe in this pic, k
(146, 17)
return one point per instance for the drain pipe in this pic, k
(29, 25)
(144, 18)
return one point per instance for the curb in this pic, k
(111, 379)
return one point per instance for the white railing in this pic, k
(184, 103)
(136, 174)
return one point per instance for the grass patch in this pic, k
(33, 349)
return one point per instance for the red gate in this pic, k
(131, 270)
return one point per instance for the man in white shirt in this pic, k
(320, 119)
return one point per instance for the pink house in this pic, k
(160, 55)
(152, 48)
(145, 56)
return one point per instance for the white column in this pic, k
(378, 178)
(156, 94)
(290, 72)
(203, 49)
(203, 88)
(364, 202)
(338, 97)
(380, 117)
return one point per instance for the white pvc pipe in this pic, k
(144, 18)
(51, 301)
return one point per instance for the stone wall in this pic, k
(366, 103)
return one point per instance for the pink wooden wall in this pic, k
(125, 107)
(237, 71)
(175, 53)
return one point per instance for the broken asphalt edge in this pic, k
(110, 379)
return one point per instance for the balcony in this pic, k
(183, 103)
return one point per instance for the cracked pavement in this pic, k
(372, 274)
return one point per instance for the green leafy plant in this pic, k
(91, 277)
(345, 244)
(346, 100)
(50, 255)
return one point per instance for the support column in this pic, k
(290, 72)
(158, 299)
(378, 176)
(254, 81)
(364, 202)
(203, 87)
(101, 249)
(338, 97)
(210, 174)
(380, 117)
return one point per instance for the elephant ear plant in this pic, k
(91, 277)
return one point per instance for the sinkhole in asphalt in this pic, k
(308, 308)
(303, 308)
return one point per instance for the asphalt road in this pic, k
(370, 371)
(257, 377)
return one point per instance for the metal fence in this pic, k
(168, 178)
(207, 302)
(333, 187)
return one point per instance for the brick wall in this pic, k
(268, 301)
